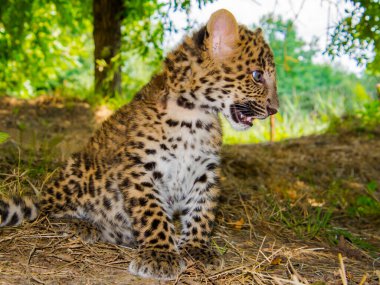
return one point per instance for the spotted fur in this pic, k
(158, 156)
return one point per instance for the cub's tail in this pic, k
(14, 210)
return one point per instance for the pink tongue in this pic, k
(248, 120)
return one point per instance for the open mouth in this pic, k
(242, 114)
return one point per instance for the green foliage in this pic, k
(358, 33)
(38, 53)
(3, 137)
(363, 119)
(144, 28)
(46, 45)
(370, 115)
(296, 71)
(293, 56)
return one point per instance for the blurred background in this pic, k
(327, 54)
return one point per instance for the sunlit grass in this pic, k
(286, 127)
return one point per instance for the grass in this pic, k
(334, 235)
(30, 170)
(316, 217)
(305, 223)
(315, 220)
(355, 200)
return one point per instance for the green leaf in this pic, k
(3, 137)
(372, 186)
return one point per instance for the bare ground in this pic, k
(285, 215)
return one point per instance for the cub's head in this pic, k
(244, 70)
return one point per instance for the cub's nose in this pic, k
(271, 111)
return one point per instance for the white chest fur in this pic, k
(189, 137)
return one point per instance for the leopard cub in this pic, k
(158, 156)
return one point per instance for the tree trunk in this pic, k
(108, 16)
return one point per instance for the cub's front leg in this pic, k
(157, 255)
(198, 218)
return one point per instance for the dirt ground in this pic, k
(285, 215)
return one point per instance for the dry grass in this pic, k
(268, 227)
(48, 252)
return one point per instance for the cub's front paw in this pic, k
(157, 264)
(208, 256)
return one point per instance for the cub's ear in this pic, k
(224, 34)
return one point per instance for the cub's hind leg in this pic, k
(62, 196)
(87, 190)
(58, 199)
(73, 193)
(86, 231)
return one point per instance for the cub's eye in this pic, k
(258, 76)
